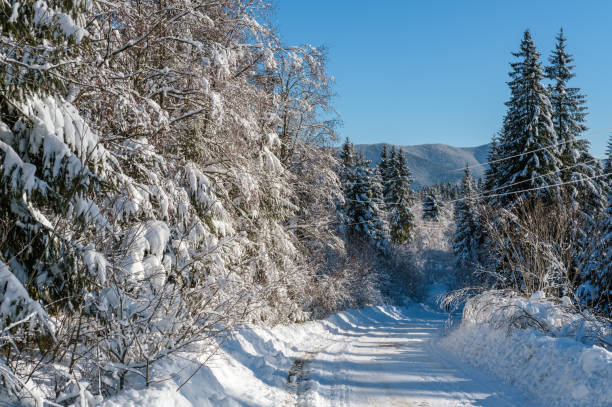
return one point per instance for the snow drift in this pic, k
(546, 348)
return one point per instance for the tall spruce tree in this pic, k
(362, 196)
(399, 198)
(491, 177)
(584, 189)
(50, 157)
(568, 106)
(531, 162)
(468, 234)
(568, 114)
(347, 154)
(608, 164)
(385, 169)
(596, 288)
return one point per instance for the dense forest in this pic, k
(170, 170)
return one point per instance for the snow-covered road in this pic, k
(374, 356)
(387, 357)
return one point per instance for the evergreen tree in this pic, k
(384, 166)
(386, 171)
(468, 234)
(568, 114)
(491, 174)
(52, 162)
(431, 208)
(608, 163)
(39, 43)
(363, 193)
(399, 198)
(347, 154)
(584, 190)
(596, 289)
(528, 138)
(568, 110)
(347, 162)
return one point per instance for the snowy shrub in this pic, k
(559, 318)
(159, 185)
(543, 345)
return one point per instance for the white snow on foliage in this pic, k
(45, 15)
(561, 367)
(19, 176)
(96, 264)
(59, 130)
(16, 306)
(146, 252)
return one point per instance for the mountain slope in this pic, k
(433, 163)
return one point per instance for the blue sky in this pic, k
(413, 72)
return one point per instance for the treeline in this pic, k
(541, 221)
(166, 173)
(377, 200)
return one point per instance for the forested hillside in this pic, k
(434, 163)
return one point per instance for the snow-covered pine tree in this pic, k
(584, 192)
(528, 137)
(347, 160)
(38, 40)
(568, 111)
(399, 199)
(385, 168)
(362, 198)
(607, 167)
(52, 162)
(346, 174)
(376, 182)
(468, 234)
(347, 154)
(596, 288)
(568, 114)
(491, 176)
(431, 208)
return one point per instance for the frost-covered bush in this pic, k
(157, 187)
(538, 343)
(560, 318)
(543, 346)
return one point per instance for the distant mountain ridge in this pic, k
(433, 163)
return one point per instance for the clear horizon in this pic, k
(426, 73)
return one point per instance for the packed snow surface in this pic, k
(376, 356)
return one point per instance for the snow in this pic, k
(45, 15)
(378, 355)
(162, 395)
(497, 308)
(157, 235)
(14, 13)
(563, 368)
(58, 127)
(16, 306)
(19, 175)
(96, 264)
